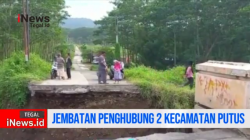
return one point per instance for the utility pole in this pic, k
(117, 39)
(28, 26)
(174, 47)
(25, 40)
(117, 46)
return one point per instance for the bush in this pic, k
(175, 75)
(117, 51)
(64, 49)
(110, 55)
(15, 74)
(84, 47)
(87, 52)
(163, 84)
(93, 67)
(130, 65)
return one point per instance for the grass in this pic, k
(166, 85)
(93, 67)
(64, 49)
(85, 61)
(96, 49)
(15, 75)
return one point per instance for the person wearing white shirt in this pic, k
(54, 69)
(122, 65)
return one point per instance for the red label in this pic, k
(23, 118)
(18, 18)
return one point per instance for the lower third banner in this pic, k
(23, 118)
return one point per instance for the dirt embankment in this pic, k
(87, 101)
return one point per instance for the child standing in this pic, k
(54, 69)
(117, 71)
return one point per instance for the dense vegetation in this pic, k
(15, 74)
(81, 35)
(166, 85)
(43, 39)
(88, 51)
(155, 32)
(73, 23)
(159, 34)
(45, 42)
(164, 33)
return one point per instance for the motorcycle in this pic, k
(111, 73)
(53, 73)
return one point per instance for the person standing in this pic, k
(68, 66)
(102, 69)
(54, 68)
(117, 71)
(189, 75)
(122, 70)
(60, 66)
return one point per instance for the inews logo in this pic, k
(35, 21)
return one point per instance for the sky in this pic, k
(92, 9)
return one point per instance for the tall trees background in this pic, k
(155, 32)
(81, 35)
(152, 32)
(42, 40)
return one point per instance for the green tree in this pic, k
(42, 40)
(156, 33)
(82, 35)
(117, 51)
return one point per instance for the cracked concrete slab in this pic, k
(217, 134)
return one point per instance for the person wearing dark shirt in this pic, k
(102, 69)
(68, 66)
